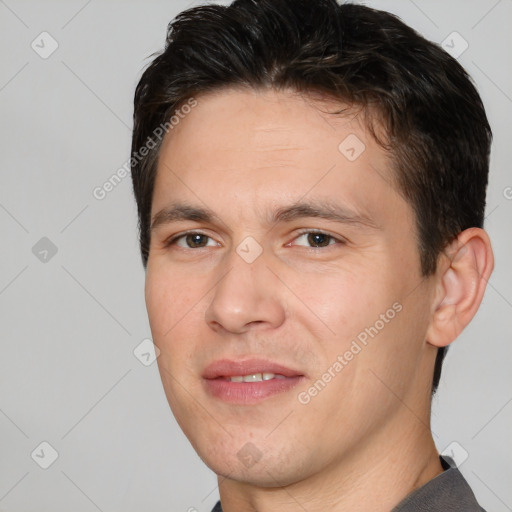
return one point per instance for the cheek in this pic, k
(342, 301)
(173, 317)
(168, 299)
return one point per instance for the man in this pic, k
(310, 180)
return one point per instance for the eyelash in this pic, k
(172, 241)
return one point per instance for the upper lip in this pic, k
(230, 368)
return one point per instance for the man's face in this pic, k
(335, 306)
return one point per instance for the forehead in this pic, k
(261, 147)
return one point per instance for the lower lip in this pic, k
(249, 392)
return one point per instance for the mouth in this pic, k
(254, 377)
(250, 381)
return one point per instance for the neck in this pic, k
(376, 477)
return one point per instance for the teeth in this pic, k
(256, 377)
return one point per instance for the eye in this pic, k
(316, 239)
(192, 240)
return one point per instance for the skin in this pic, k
(364, 440)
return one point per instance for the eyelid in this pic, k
(174, 238)
(337, 238)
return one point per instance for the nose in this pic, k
(248, 296)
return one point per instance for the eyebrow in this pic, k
(323, 210)
(317, 209)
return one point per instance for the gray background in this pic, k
(70, 321)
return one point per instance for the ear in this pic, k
(463, 271)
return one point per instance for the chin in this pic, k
(256, 462)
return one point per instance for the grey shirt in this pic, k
(447, 492)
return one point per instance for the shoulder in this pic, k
(447, 492)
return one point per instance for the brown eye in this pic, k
(319, 239)
(192, 240)
(316, 239)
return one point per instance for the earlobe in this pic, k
(464, 270)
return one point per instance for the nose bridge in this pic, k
(247, 292)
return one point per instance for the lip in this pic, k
(217, 384)
(230, 368)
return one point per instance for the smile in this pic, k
(248, 381)
(255, 377)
